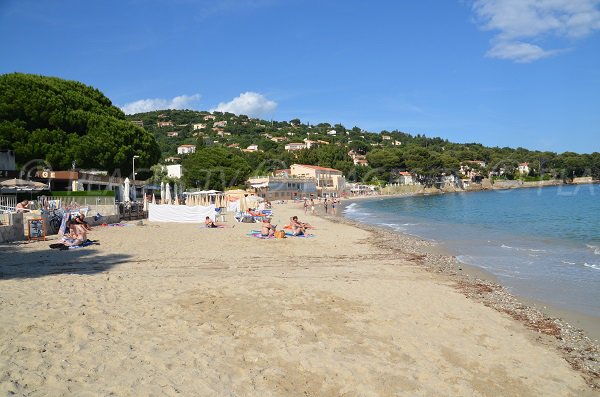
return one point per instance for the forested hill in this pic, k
(387, 152)
(54, 122)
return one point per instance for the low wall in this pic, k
(12, 228)
(15, 226)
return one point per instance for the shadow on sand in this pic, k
(17, 261)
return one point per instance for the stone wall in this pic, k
(12, 228)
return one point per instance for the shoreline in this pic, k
(589, 323)
(572, 333)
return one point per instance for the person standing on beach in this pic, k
(305, 206)
(312, 206)
(325, 204)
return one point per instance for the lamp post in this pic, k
(134, 157)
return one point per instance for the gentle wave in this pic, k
(596, 267)
(521, 249)
(594, 248)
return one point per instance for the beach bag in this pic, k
(279, 234)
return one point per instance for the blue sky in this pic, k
(499, 72)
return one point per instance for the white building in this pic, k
(290, 147)
(174, 171)
(186, 149)
(523, 168)
(406, 178)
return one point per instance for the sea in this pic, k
(540, 243)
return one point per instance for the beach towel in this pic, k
(257, 234)
(88, 242)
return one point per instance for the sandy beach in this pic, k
(177, 309)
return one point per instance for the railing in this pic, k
(82, 201)
(8, 203)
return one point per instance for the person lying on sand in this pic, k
(267, 230)
(209, 223)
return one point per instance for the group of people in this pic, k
(298, 228)
(327, 203)
(76, 233)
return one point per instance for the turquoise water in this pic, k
(542, 244)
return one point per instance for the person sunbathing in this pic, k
(80, 220)
(298, 228)
(209, 223)
(79, 235)
(267, 230)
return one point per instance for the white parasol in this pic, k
(126, 191)
(162, 192)
(167, 194)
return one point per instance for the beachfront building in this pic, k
(329, 181)
(358, 189)
(406, 178)
(186, 149)
(283, 187)
(523, 168)
(65, 181)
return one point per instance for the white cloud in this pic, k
(148, 105)
(534, 20)
(519, 52)
(249, 103)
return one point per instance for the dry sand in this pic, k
(176, 309)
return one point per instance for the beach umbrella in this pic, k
(243, 204)
(168, 193)
(145, 203)
(153, 199)
(176, 201)
(126, 190)
(162, 192)
(19, 184)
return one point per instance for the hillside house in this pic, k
(172, 134)
(523, 168)
(209, 117)
(290, 147)
(162, 124)
(186, 149)
(220, 124)
(198, 126)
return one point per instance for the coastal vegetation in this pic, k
(387, 152)
(65, 123)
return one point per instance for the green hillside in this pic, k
(387, 152)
